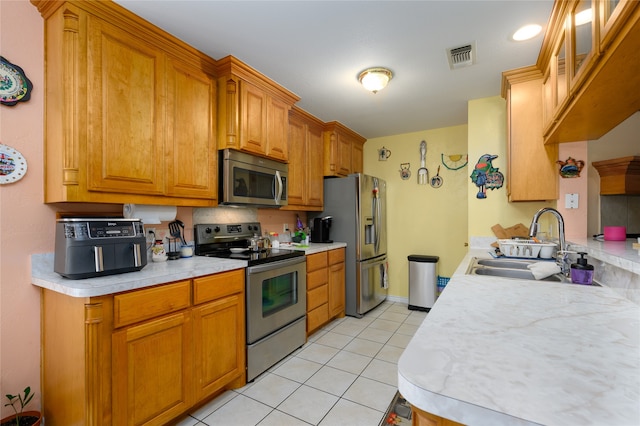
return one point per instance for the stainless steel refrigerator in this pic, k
(358, 205)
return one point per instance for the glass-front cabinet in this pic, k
(611, 15)
(582, 35)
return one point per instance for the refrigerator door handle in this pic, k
(384, 275)
(376, 223)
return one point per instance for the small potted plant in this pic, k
(21, 418)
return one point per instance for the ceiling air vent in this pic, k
(462, 56)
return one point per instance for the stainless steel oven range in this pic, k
(275, 291)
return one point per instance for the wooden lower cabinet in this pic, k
(152, 371)
(423, 418)
(143, 357)
(325, 288)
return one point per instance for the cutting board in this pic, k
(499, 231)
(518, 230)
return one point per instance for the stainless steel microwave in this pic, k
(249, 180)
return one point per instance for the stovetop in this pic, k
(219, 240)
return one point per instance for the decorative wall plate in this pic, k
(14, 85)
(13, 166)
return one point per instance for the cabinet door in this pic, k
(253, 117)
(314, 167)
(336, 289)
(126, 119)
(152, 370)
(219, 344)
(356, 158)
(344, 155)
(306, 165)
(277, 129)
(297, 161)
(191, 146)
(336, 283)
(532, 174)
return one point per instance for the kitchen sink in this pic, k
(510, 268)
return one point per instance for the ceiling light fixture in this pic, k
(374, 79)
(527, 32)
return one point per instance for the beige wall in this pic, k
(421, 219)
(25, 222)
(487, 135)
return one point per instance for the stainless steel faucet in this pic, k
(562, 256)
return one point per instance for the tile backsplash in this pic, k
(620, 210)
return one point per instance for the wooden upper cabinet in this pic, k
(591, 80)
(531, 170)
(306, 190)
(125, 112)
(191, 154)
(126, 107)
(342, 150)
(253, 111)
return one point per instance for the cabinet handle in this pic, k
(136, 255)
(97, 257)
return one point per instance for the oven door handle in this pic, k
(277, 264)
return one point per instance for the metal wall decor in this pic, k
(405, 173)
(14, 85)
(485, 176)
(384, 154)
(570, 168)
(454, 161)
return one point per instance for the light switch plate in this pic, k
(571, 201)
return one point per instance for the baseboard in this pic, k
(398, 299)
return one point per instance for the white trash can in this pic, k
(423, 281)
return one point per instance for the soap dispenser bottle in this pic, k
(581, 271)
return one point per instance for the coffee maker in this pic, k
(320, 230)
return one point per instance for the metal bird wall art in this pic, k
(485, 176)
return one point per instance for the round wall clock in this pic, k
(13, 166)
(14, 85)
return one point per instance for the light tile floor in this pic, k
(346, 374)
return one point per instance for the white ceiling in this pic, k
(316, 49)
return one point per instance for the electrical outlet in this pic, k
(285, 227)
(151, 235)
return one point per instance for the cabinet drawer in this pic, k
(316, 261)
(317, 317)
(317, 297)
(216, 286)
(149, 303)
(336, 256)
(317, 278)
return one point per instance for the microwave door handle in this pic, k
(279, 187)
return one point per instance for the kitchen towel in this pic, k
(542, 270)
(149, 214)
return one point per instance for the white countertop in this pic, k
(42, 274)
(497, 351)
(153, 273)
(313, 247)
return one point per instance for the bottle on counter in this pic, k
(581, 271)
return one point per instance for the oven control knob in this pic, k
(217, 229)
(207, 230)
